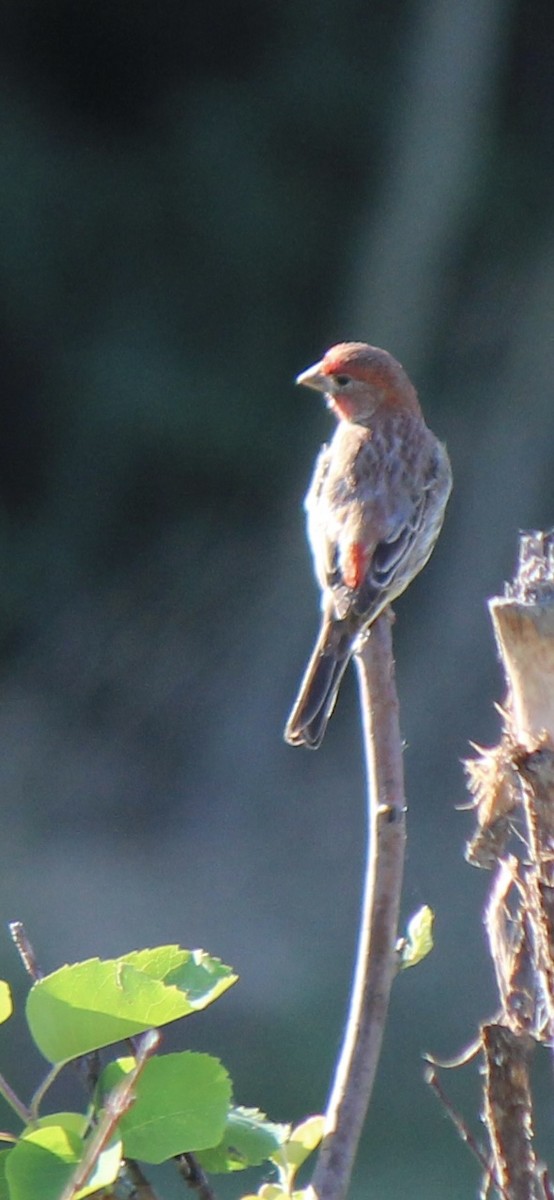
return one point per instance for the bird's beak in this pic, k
(314, 378)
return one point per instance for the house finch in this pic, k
(375, 507)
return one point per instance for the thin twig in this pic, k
(13, 1100)
(190, 1170)
(143, 1048)
(465, 1134)
(376, 959)
(117, 1103)
(42, 1089)
(136, 1184)
(25, 949)
(28, 957)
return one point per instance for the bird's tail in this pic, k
(318, 691)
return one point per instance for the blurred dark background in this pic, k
(196, 200)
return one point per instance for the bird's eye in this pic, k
(342, 380)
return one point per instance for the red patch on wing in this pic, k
(354, 565)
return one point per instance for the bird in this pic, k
(374, 509)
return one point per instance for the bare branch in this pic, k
(523, 623)
(117, 1103)
(514, 789)
(465, 1134)
(25, 950)
(190, 1170)
(508, 1110)
(376, 959)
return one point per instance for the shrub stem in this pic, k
(376, 961)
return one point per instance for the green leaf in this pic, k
(418, 942)
(82, 1007)
(200, 976)
(45, 1158)
(106, 1170)
(71, 1122)
(182, 1101)
(4, 1189)
(248, 1140)
(6, 1003)
(302, 1141)
(58, 1138)
(35, 1169)
(297, 1148)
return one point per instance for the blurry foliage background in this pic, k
(197, 199)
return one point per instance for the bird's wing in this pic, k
(392, 564)
(373, 575)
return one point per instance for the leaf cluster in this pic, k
(143, 1106)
